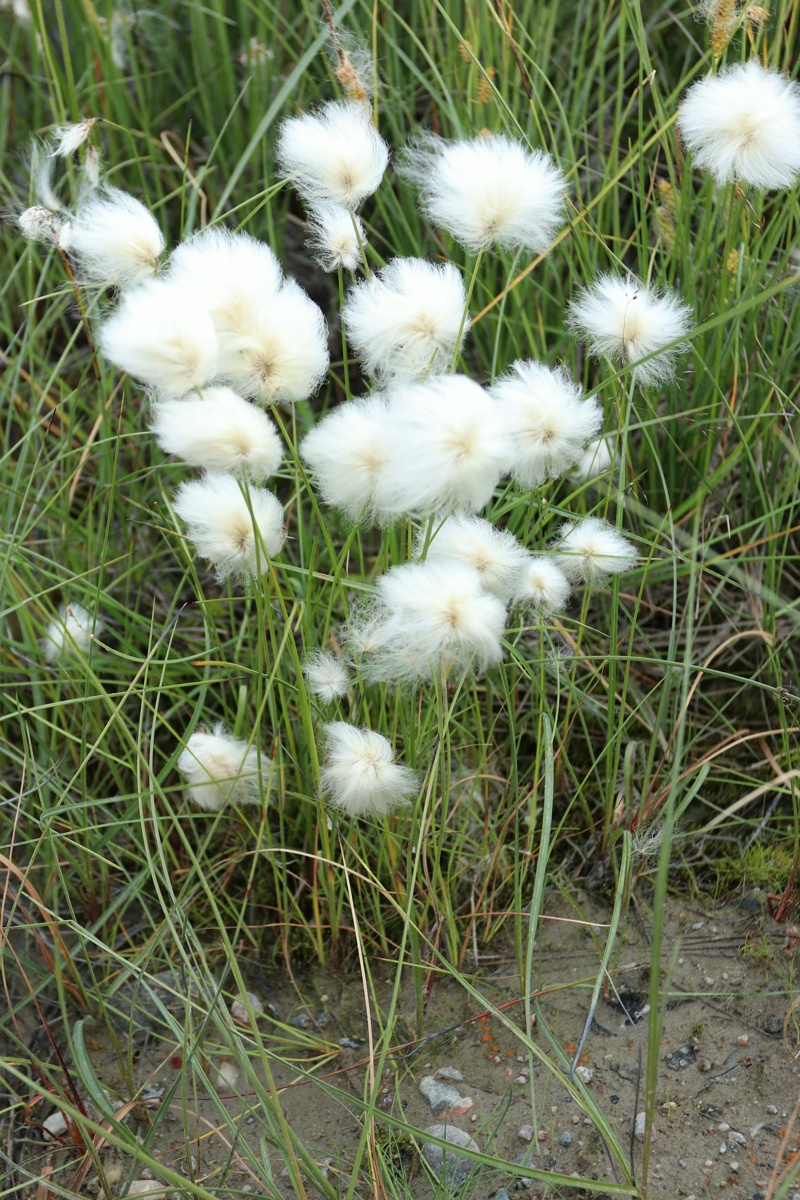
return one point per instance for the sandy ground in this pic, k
(728, 1070)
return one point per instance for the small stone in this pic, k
(734, 1166)
(565, 1139)
(521, 1079)
(526, 1133)
(440, 1096)
(723, 1127)
(348, 1043)
(585, 1074)
(227, 1073)
(576, 1119)
(723, 1148)
(704, 1064)
(501, 1194)
(54, 1126)
(682, 1163)
(709, 1162)
(451, 1073)
(640, 1128)
(239, 1007)
(542, 1135)
(143, 1187)
(771, 1108)
(453, 1168)
(698, 925)
(678, 1060)
(736, 1139)
(772, 1025)
(710, 980)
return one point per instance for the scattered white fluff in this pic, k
(624, 320)
(427, 618)
(39, 224)
(548, 419)
(455, 447)
(335, 234)
(219, 770)
(744, 125)
(542, 586)
(162, 336)
(596, 460)
(591, 549)
(405, 321)
(335, 155)
(494, 553)
(359, 774)
(67, 139)
(229, 272)
(222, 529)
(279, 352)
(326, 675)
(490, 191)
(349, 454)
(71, 633)
(116, 239)
(219, 431)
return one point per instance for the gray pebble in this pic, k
(440, 1096)
(453, 1168)
(501, 1194)
(451, 1073)
(565, 1139)
(678, 1060)
(772, 1025)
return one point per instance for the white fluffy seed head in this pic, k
(625, 320)
(223, 529)
(350, 453)
(162, 336)
(218, 430)
(494, 553)
(359, 774)
(335, 155)
(326, 675)
(66, 139)
(70, 633)
(405, 321)
(490, 191)
(596, 460)
(39, 224)
(219, 770)
(591, 549)
(548, 420)
(541, 586)
(428, 618)
(335, 234)
(228, 272)
(455, 447)
(744, 125)
(116, 239)
(279, 352)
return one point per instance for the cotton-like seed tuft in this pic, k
(743, 125)
(359, 774)
(489, 191)
(222, 527)
(162, 336)
(494, 553)
(596, 460)
(71, 633)
(229, 273)
(427, 618)
(406, 320)
(349, 454)
(333, 156)
(39, 224)
(66, 139)
(219, 770)
(542, 586)
(591, 549)
(624, 320)
(548, 420)
(116, 239)
(335, 236)
(326, 675)
(219, 431)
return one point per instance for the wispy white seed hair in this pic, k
(548, 419)
(405, 321)
(39, 224)
(335, 235)
(624, 320)
(542, 586)
(744, 125)
(350, 453)
(596, 460)
(489, 191)
(116, 239)
(327, 676)
(335, 155)
(359, 774)
(217, 512)
(67, 139)
(494, 553)
(42, 167)
(427, 618)
(229, 272)
(220, 770)
(70, 633)
(279, 353)
(591, 549)
(218, 430)
(162, 336)
(455, 447)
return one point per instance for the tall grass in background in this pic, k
(648, 735)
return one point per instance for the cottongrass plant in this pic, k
(116, 239)
(238, 528)
(333, 156)
(359, 774)
(70, 633)
(219, 431)
(220, 769)
(590, 550)
(494, 553)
